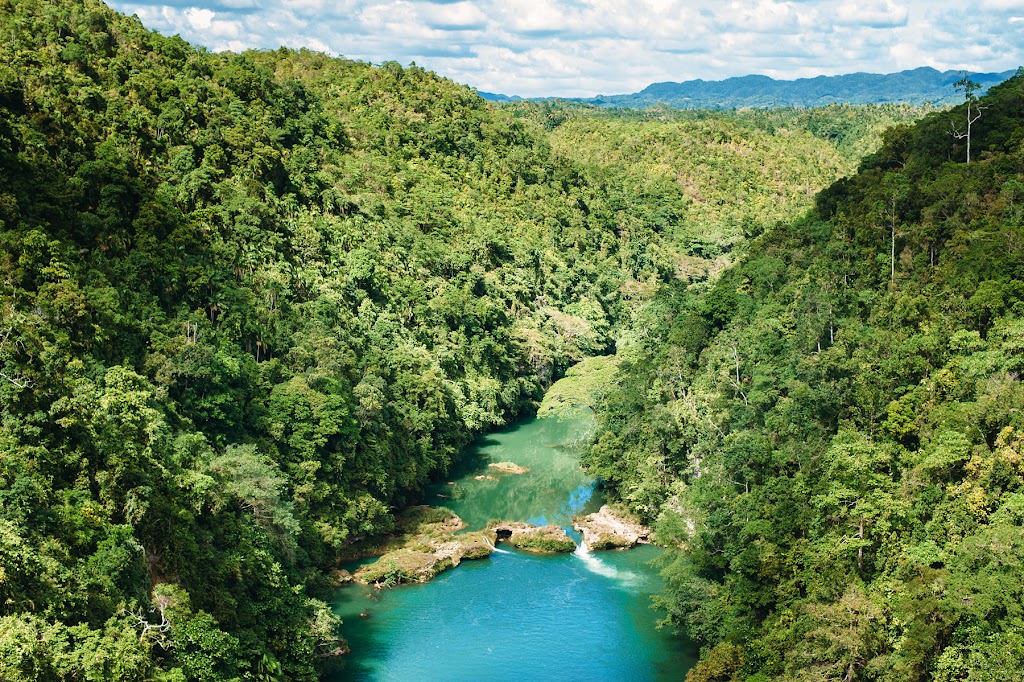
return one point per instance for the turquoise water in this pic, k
(518, 616)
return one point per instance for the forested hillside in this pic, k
(919, 86)
(714, 180)
(916, 87)
(251, 303)
(831, 434)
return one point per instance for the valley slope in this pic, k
(253, 302)
(831, 433)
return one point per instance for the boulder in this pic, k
(476, 545)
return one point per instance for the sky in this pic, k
(582, 48)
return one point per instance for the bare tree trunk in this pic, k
(860, 550)
(892, 228)
(736, 383)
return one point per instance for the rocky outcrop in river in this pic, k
(423, 546)
(611, 528)
(422, 561)
(532, 538)
(509, 467)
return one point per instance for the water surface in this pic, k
(517, 615)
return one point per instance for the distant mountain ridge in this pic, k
(915, 86)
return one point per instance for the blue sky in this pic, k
(590, 47)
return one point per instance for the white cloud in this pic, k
(763, 16)
(587, 47)
(457, 16)
(199, 19)
(1003, 5)
(872, 13)
(535, 16)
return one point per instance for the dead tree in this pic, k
(970, 89)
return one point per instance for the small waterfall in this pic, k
(595, 565)
(493, 547)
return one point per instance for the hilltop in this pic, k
(920, 86)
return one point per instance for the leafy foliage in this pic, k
(251, 303)
(830, 433)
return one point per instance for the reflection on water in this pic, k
(554, 488)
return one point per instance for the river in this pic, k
(516, 615)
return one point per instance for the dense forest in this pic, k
(830, 433)
(252, 303)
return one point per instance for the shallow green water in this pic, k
(518, 616)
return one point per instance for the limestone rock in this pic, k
(401, 566)
(611, 528)
(339, 577)
(476, 545)
(413, 523)
(508, 467)
(526, 536)
(424, 556)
